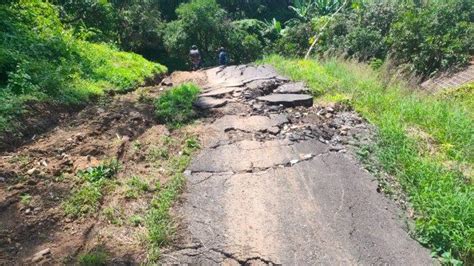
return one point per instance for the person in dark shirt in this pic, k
(223, 58)
(195, 57)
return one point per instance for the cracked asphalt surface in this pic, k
(256, 195)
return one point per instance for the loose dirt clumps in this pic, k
(277, 183)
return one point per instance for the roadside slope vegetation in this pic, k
(41, 61)
(425, 141)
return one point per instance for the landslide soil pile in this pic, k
(37, 178)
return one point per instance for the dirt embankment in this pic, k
(38, 177)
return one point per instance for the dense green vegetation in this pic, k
(41, 60)
(422, 36)
(425, 141)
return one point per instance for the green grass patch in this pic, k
(113, 215)
(175, 106)
(25, 199)
(136, 220)
(93, 258)
(135, 187)
(85, 200)
(158, 220)
(427, 142)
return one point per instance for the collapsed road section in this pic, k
(274, 183)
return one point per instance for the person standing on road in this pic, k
(195, 57)
(223, 58)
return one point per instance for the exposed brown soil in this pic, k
(36, 119)
(121, 127)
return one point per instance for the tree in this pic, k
(200, 22)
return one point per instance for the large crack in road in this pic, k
(273, 183)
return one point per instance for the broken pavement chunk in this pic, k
(208, 102)
(288, 100)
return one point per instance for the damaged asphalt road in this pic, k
(269, 186)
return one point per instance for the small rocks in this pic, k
(44, 163)
(2, 179)
(293, 88)
(288, 100)
(43, 254)
(273, 130)
(208, 102)
(257, 106)
(167, 82)
(31, 182)
(336, 148)
(33, 171)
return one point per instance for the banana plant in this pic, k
(303, 9)
(326, 7)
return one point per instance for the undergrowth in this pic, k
(85, 199)
(175, 106)
(158, 220)
(426, 142)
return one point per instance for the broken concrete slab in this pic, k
(292, 88)
(259, 175)
(288, 100)
(249, 123)
(220, 92)
(253, 155)
(208, 102)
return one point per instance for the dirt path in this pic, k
(276, 184)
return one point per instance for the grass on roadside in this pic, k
(135, 187)
(426, 142)
(93, 258)
(175, 106)
(158, 220)
(85, 200)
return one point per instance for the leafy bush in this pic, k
(295, 40)
(426, 38)
(364, 44)
(175, 106)
(435, 37)
(103, 171)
